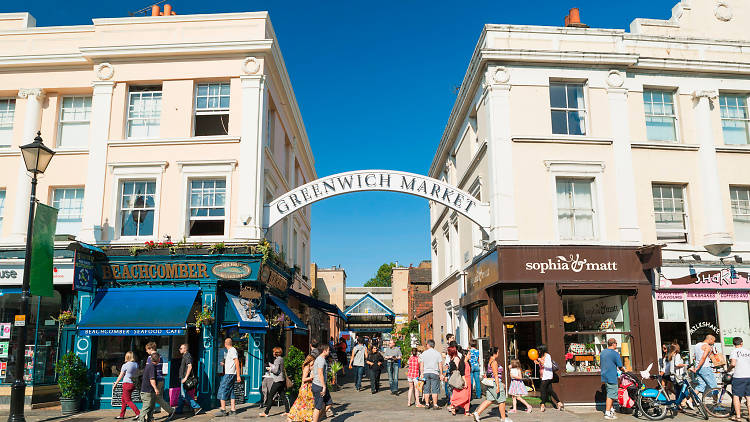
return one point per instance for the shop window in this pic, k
(2, 210)
(575, 209)
(703, 320)
(212, 109)
(740, 202)
(660, 115)
(207, 207)
(137, 208)
(520, 302)
(669, 213)
(144, 112)
(69, 202)
(110, 352)
(7, 113)
(75, 116)
(568, 108)
(670, 310)
(734, 322)
(590, 320)
(734, 119)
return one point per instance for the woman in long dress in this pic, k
(302, 409)
(462, 397)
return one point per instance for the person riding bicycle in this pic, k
(703, 371)
(739, 359)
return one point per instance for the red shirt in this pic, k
(413, 367)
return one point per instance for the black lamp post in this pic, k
(36, 156)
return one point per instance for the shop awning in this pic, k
(138, 312)
(248, 320)
(297, 324)
(328, 308)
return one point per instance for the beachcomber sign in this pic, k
(130, 332)
(378, 180)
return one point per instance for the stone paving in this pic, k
(353, 406)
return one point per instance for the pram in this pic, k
(627, 391)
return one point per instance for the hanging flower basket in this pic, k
(66, 317)
(203, 317)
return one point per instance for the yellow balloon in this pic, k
(533, 354)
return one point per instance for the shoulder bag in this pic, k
(456, 380)
(191, 382)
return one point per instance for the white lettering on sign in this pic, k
(571, 263)
(378, 180)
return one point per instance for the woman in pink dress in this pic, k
(460, 398)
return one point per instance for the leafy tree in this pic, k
(293, 367)
(382, 276)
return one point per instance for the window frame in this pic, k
(211, 111)
(126, 172)
(61, 122)
(54, 189)
(190, 206)
(735, 203)
(120, 209)
(140, 90)
(586, 116)
(4, 192)
(594, 215)
(746, 120)
(194, 170)
(674, 116)
(10, 100)
(579, 170)
(686, 218)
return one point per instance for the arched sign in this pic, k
(378, 180)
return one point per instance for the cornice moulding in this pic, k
(197, 140)
(92, 53)
(206, 17)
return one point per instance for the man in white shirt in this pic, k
(319, 386)
(740, 361)
(232, 371)
(357, 361)
(429, 365)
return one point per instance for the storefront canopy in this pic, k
(138, 312)
(297, 324)
(328, 308)
(247, 319)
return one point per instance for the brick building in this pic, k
(425, 326)
(420, 298)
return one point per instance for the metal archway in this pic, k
(377, 180)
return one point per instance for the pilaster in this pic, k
(208, 358)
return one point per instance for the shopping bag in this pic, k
(174, 396)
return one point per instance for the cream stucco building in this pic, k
(588, 142)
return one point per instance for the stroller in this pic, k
(628, 386)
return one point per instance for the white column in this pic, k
(716, 238)
(500, 156)
(627, 213)
(93, 194)
(251, 160)
(31, 125)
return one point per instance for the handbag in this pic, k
(191, 382)
(456, 381)
(488, 382)
(555, 367)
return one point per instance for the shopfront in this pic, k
(692, 301)
(572, 299)
(195, 299)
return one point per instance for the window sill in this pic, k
(734, 149)
(665, 146)
(561, 139)
(71, 151)
(9, 152)
(218, 139)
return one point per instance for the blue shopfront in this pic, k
(198, 300)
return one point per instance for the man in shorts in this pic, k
(429, 365)
(232, 371)
(739, 358)
(319, 384)
(610, 361)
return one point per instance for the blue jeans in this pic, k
(476, 383)
(392, 368)
(358, 372)
(705, 377)
(226, 387)
(185, 397)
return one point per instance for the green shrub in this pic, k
(71, 376)
(293, 367)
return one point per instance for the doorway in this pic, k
(521, 337)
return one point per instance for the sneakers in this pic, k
(507, 420)
(476, 416)
(610, 415)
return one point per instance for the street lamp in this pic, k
(36, 156)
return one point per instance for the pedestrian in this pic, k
(476, 370)
(674, 369)
(412, 377)
(150, 350)
(495, 389)
(392, 356)
(460, 397)
(517, 388)
(739, 359)
(357, 361)
(276, 369)
(186, 372)
(341, 354)
(429, 365)
(149, 388)
(128, 373)
(703, 371)
(302, 409)
(609, 362)
(320, 383)
(232, 371)
(449, 340)
(314, 348)
(546, 367)
(375, 362)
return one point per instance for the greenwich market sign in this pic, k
(378, 180)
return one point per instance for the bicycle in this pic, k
(654, 403)
(718, 400)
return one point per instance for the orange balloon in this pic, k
(533, 354)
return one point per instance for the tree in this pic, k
(382, 276)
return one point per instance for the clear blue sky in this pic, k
(375, 82)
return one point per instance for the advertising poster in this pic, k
(5, 330)
(3, 369)
(3, 349)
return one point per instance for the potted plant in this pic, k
(66, 317)
(199, 249)
(217, 248)
(73, 382)
(204, 317)
(119, 252)
(293, 367)
(333, 372)
(180, 248)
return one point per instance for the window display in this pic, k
(520, 302)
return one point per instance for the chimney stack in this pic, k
(156, 10)
(573, 19)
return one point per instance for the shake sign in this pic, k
(572, 263)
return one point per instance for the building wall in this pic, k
(331, 285)
(399, 290)
(425, 327)
(446, 308)
(420, 298)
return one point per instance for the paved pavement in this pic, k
(353, 406)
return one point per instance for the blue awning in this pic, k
(248, 320)
(297, 323)
(138, 312)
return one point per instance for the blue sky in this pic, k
(375, 82)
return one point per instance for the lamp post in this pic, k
(36, 156)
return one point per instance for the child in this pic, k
(412, 376)
(517, 388)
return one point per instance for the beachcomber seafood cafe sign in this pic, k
(158, 270)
